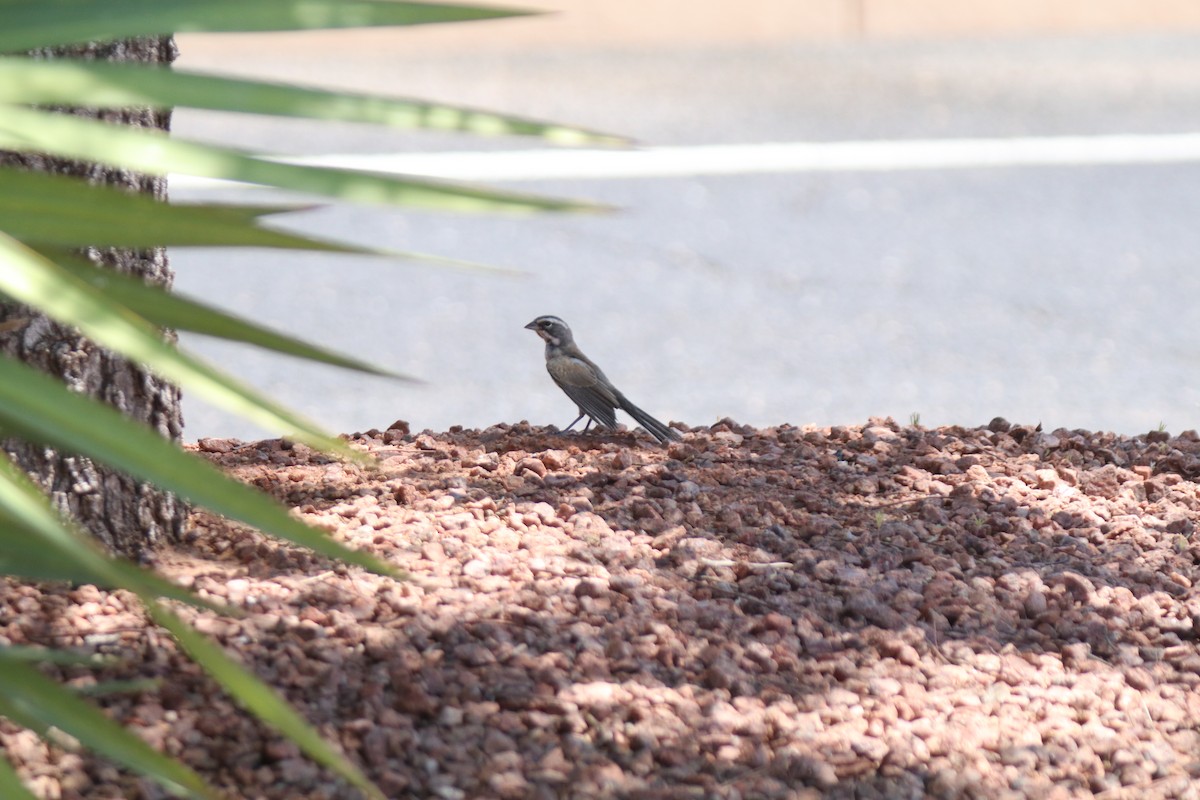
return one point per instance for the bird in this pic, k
(586, 383)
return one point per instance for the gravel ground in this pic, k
(877, 611)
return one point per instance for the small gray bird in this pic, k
(586, 384)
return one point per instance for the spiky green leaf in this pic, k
(152, 151)
(43, 23)
(40, 409)
(30, 278)
(96, 84)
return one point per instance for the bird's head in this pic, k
(552, 329)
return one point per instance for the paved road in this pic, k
(1053, 293)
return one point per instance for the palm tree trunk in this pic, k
(129, 517)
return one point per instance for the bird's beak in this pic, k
(531, 326)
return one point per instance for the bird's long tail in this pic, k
(658, 429)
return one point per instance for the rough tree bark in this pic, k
(129, 517)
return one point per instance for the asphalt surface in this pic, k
(1059, 294)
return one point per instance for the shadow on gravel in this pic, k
(1010, 535)
(857, 612)
(754, 612)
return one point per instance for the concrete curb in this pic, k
(657, 23)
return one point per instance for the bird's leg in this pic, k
(582, 414)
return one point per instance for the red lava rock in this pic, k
(592, 587)
(881, 611)
(1035, 604)
(1139, 679)
(533, 465)
(509, 785)
(554, 459)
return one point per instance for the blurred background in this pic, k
(840, 209)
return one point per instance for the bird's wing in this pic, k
(585, 384)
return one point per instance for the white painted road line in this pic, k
(767, 158)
